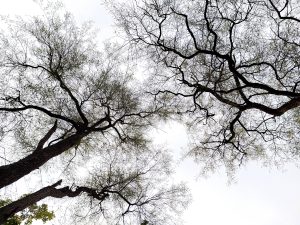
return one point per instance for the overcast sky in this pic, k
(259, 195)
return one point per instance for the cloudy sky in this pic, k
(258, 195)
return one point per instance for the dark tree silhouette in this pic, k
(230, 65)
(60, 95)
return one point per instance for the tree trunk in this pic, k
(21, 204)
(14, 171)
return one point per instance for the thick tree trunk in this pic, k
(49, 191)
(14, 171)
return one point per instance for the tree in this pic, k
(231, 68)
(34, 212)
(65, 104)
(120, 193)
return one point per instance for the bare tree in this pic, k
(231, 67)
(60, 95)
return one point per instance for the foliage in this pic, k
(34, 212)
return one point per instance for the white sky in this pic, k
(259, 196)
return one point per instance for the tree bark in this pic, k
(14, 171)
